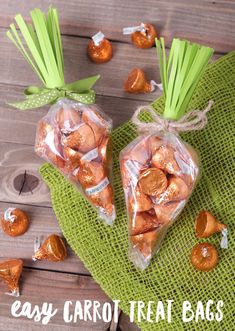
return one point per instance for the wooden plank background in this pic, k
(208, 22)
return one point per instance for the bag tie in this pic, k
(80, 91)
(191, 121)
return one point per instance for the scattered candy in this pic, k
(204, 257)
(143, 36)
(99, 49)
(76, 139)
(153, 169)
(10, 272)
(137, 83)
(15, 222)
(53, 249)
(206, 225)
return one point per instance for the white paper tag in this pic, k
(14, 293)
(133, 171)
(37, 244)
(97, 38)
(224, 240)
(93, 154)
(155, 86)
(132, 29)
(98, 188)
(8, 216)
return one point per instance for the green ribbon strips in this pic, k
(180, 73)
(43, 51)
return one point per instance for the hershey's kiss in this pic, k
(10, 272)
(99, 49)
(103, 199)
(145, 242)
(177, 190)
(139, 201)
(153, 181)
(206, 224)
(91, 173)
(168, 212)
(204, 257)
(137, 83)
(164, 159)
(67, 119)
(52, 249)
(15, 222)
(82, 140)
(143, 222)
(146, 37)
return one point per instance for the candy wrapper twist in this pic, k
(159, 172)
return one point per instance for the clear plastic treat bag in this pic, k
(75, 135)
(76, 139)
(159, 170)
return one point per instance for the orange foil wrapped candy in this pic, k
(76, 139)
(206, 225)
(142, 36)
(52, 249)
(15, 222)
(204, 257)
(137, 83)
(10, 272)
(154, 168)
(99, 49)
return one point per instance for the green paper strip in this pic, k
(181, 73)
(44, 47)
(43, 51)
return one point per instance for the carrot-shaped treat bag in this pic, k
(75, 134)
(159, 170)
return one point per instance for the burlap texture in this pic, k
(104, 250)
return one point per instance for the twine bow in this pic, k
(191, 121)
(37, 97)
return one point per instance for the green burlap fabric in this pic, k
(104, 250)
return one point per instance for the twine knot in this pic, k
(191, 121)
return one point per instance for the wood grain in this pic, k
(125, 324)
(205, 21)
(15, 160)
(77, 65)
(42, 223)
(38, 287)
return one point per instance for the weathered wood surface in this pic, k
(125, 325)
(42, 223)
(77, 65)
(15, 160)
(207, 21)
(39, 286)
